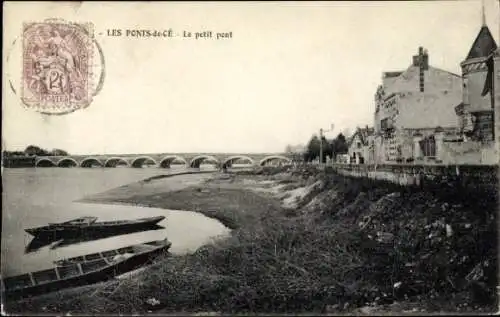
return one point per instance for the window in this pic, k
(384, 124)
(428, 146)
(359, 145)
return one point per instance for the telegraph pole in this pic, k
(321, 141)
(321, 145)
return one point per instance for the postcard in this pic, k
(220, 158)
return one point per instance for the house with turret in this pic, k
(427, 115)
(476, 110)
(478, 118)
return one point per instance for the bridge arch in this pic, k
(274, 158)
(91, 161)
(233, 158)
(139, 161)
(168, 160)
(115, 161)
(197, 160)
(67, 162)
(45, 162)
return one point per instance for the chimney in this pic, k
(422, 61)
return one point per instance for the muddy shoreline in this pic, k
(207, 194)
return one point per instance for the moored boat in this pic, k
(88, 225)
(55, 242)
(82, 270)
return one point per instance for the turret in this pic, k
(474, 72)
(477, 90)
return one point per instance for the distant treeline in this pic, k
(311, 152)
(331, 148)
(33, 150)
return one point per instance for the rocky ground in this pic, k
(304, 241)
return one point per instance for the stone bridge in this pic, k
(163, 160)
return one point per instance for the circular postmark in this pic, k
(62, 66)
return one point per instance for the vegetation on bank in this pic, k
(33, 150)
(352, 243)
(331, 148)
(27, 157)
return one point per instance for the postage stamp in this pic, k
(62, 66)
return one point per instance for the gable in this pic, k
(355, 139)
(361, 135)
(435, 80)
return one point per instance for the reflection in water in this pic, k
(35, 197)
(59, 241)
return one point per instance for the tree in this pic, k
(327, 149)
(339, 145)
(288, 149)
(313, 149)
(34, 150)
(58, 152)
(13, 153)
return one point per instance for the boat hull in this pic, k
(100, 275)
(58, 232)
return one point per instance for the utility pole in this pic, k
(321, 141)
(321, 145)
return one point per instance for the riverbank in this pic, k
(306, 242)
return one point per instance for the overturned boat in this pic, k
(88, 226)
(83, 270)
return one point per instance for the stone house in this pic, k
(361, 146)
(411, 105)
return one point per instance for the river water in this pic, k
(34, 197)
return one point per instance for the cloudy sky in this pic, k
(288, 70)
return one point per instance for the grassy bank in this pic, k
(349, 243)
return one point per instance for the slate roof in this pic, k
(483, 45)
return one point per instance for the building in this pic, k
(496, 101)
(476, 110)
(410, 106)
(296, 152)
(478, 120)
(361, 146)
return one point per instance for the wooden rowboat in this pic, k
(84, 270)
(88, 226)
(58, 242)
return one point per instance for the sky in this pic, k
(288, 70)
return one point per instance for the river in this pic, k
(34, 197)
